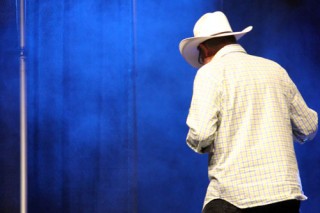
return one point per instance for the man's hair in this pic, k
(220, 41)
(214, 45)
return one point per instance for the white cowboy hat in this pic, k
(210, 25)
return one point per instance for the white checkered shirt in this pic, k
(245, 112)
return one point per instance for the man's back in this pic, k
(252, 160)
(245, 112)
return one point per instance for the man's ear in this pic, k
(203, 50)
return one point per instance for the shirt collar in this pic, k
(228, 49)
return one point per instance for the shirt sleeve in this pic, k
(304, 120)
(203, 118)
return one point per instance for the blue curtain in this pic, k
(108, 95)
(108, 98)
(9, 109)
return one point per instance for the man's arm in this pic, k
(203, 115)
(304, 120)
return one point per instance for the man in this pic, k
(245, 113)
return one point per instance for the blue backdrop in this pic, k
(108, 95)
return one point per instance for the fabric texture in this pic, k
(245, 112)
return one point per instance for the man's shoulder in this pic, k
(213, 71)
(213, 68)
(261, 59)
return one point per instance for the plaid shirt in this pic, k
(245, 112)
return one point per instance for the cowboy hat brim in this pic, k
(189, 47)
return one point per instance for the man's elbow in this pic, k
(307, 129)
(199, 143)
(307, 135)
(314, 127)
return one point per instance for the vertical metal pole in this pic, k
(23, 112)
